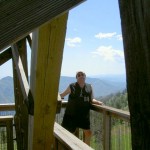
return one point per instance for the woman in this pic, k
(77, 114)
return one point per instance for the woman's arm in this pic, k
(94, 101)
(66, 92)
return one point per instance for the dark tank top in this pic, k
(79, 100)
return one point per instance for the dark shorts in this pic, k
(71, 123)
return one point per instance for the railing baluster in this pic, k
(106, 130)
(7, 121)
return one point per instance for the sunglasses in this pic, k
(80, 74)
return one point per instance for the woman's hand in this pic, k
(94, 101)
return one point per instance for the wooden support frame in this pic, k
(20, 71)
(135, 21)
(106, 130)
(47, 51)
(19, 18)
(23, 80)
(7, 121)
(67, 141)
(21, 108)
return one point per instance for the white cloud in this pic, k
(71, 42)
(119, 37)
(109, 36)
(109, 54)
(105, 35)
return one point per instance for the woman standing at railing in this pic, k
(77, 114)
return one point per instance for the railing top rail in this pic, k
(4, 118)
(69, 140)
(7, 106)
(125, 115)
(99, 108)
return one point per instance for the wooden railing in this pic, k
(6, 107)
(7, 122)
(6, 126)
(68, 141)
(63, 139)
(110, 115)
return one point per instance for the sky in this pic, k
(93, 41)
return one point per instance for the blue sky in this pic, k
(93, 40)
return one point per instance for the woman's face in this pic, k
(80, 76)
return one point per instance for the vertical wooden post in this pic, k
(135, 21)
(45, 73)
(21, 116)
(106, 130)
(9, 127)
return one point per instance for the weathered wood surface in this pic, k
(48, 43)
(135, 21)
(6, 118)
(19, 18)
(107, 114)
(5, 56)
(20, 72)
(23, 78)
(125, 115)
(59, 104)
(21, 116)
(7, 106)
(7, 121)
(68, 140)
(106, 131)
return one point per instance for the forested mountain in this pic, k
(101, 87)
(117, 100)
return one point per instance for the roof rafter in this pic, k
(19, 18)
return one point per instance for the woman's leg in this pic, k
(87, 136)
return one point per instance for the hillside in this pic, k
(101, 87)
(6, 90)
(117, 100)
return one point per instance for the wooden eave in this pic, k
(19, 18)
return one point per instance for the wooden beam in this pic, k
(5, 56)
(135, 21)
(22, 79)
(19, 18)
(21, 115)
(49, 43)
(7, 121)
(20, 71)
(8, 106)
(59, 104)
(67, 140)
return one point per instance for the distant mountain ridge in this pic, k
(6, 90)
(101, 87)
